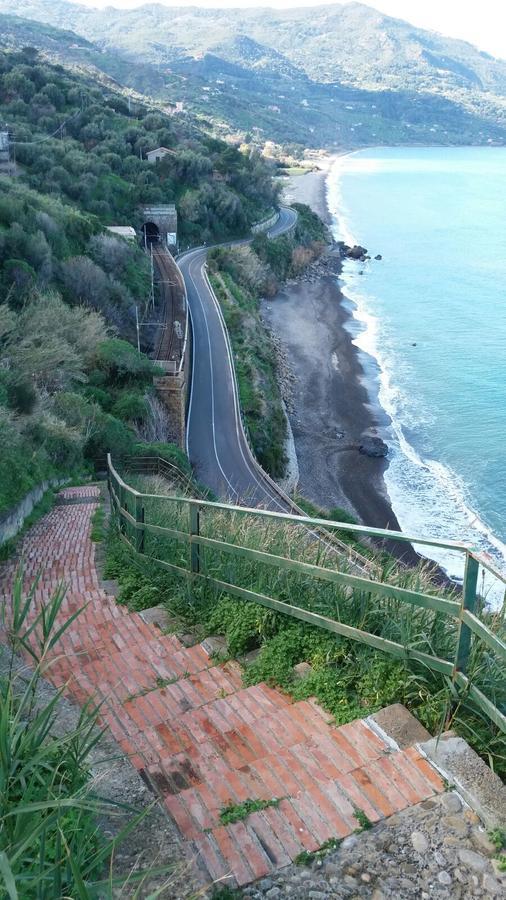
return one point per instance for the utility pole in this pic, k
(152, 278)
(137, 328)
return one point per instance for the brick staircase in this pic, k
(197, 736)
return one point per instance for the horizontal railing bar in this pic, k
(161, 529)
(377, 587)
(126, 515)
(501, 576)
(483, 702)
(434, 662)
(387, 534)
(356, 634)
(479, 628)
(382, 589)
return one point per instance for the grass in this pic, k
(307, 857)
(363, 820)
(159, 684)
(239, 811)
(498, 838)
(348, 678)
(98, 529)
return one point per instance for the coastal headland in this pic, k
(331, 409)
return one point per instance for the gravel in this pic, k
(437, 850)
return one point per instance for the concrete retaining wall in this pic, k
(266, 224)
(12, 522)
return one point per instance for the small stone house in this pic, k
(154, 156)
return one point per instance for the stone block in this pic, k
(215, 644)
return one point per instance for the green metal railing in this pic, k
(129, 505)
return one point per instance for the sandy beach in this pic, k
(331, 407)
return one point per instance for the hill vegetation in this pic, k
(71, 383)
(78, 140)
(348, 76)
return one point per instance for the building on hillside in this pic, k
(154, 156)
(4, 148)
(124, 231)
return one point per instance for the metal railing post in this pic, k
(139, 519)
(194, 530)
(469, 597)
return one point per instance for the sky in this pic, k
(482, 23)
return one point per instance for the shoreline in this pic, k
(331, 407)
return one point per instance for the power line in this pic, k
(60, 128)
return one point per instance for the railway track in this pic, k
(170, 338)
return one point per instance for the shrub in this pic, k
(61, 444)
(130, 406)
(122, 363)
(110, 436)
(21, 397)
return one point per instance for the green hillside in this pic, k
(347, 76)
(71, 383)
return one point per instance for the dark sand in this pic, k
(331, 406)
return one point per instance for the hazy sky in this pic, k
(482, 23)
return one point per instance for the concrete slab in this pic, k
(158, 615)
(400, 725)
(214, 644)
(478, 785)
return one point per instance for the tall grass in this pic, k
(50, 845)
(351, 679)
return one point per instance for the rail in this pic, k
(132, 509)
(170, 348)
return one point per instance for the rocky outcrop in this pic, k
(356, 252)
(372, 445)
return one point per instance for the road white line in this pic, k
(213, 423)
(241, 438)
(251, 464)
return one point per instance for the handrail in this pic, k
(131, 517)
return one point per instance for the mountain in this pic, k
(339, 75)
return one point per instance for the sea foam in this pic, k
(429, 499)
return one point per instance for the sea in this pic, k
(430, 321)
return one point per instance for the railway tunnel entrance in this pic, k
(150, 234)
(160, 226)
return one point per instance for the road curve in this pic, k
(215, 438)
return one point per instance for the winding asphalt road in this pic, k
(215, 438)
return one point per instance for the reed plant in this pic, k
(50, 844)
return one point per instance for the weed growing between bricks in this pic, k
(348, 679)
(239, 811)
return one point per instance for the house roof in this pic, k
(158, 150)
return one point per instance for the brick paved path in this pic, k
(201, 739)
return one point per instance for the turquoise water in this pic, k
(437, 217)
